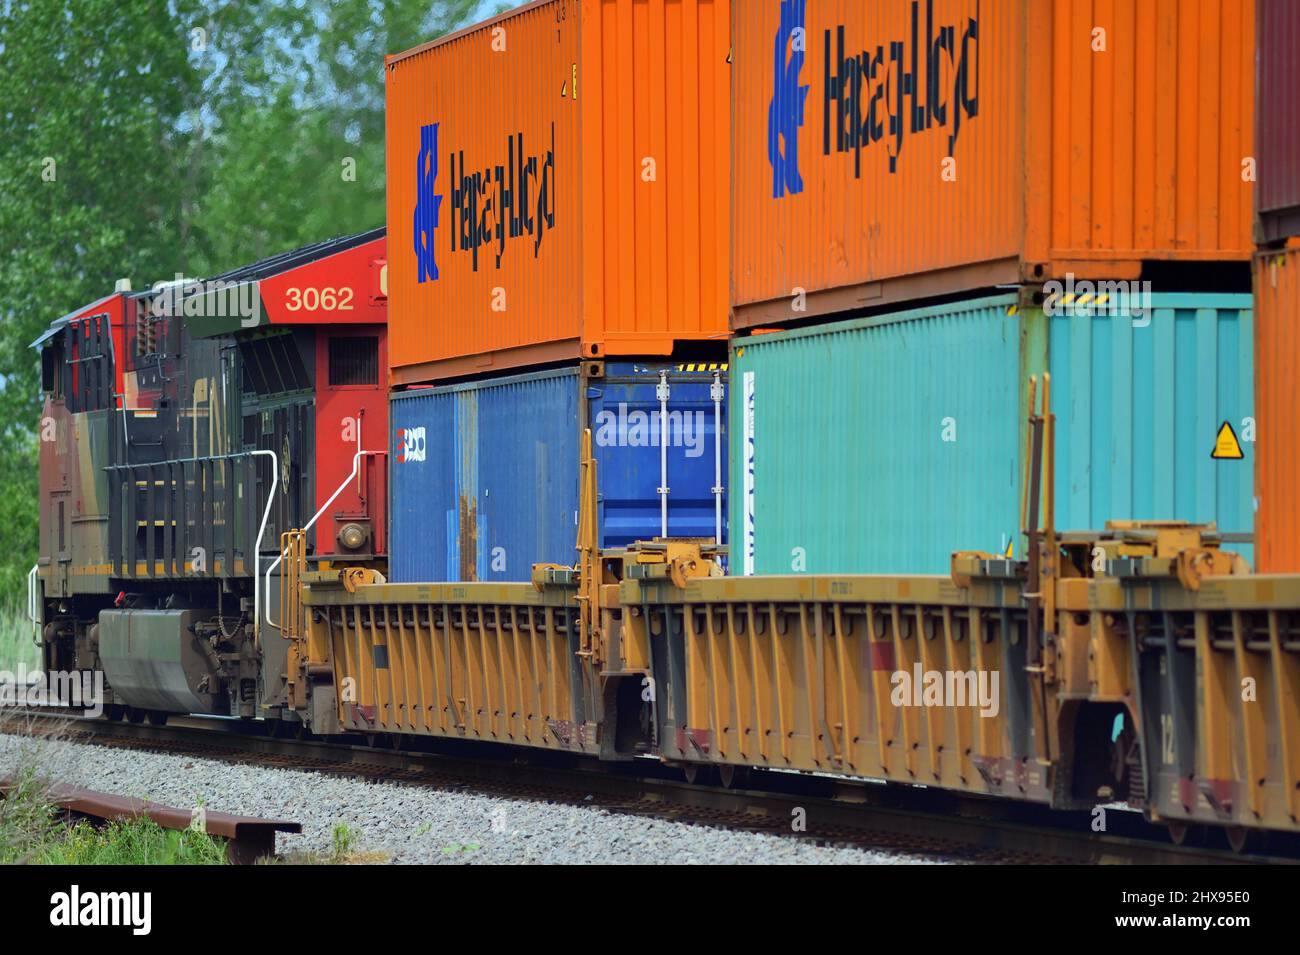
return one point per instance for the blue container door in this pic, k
(490, 486)
(624, 413)
(526, 479)
(423, 482)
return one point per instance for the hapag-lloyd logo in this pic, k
(427, 204)
(907, 85)
(410, 445)
(488, 206)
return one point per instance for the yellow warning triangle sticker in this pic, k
(1226, 444)
(1011, 544)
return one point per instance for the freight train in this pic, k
(224, 530)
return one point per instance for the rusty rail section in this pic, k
(248, 838)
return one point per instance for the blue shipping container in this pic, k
(485, 474)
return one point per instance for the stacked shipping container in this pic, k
(908, 429)
(487, 485)
(902, 151)
(557, 194)
(892, 151)
(1277, 288)
(557, 187)
(1278, 116)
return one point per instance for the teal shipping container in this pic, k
(883, 444)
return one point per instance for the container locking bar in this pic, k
(662, 391)
(716, 392)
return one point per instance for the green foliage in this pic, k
(16, 643)
(343, 841)
(89, 187)
(139, 841)
(142, 138)
(26, 820)
(31, 833)
(18, 516)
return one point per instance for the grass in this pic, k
(32, 830)
(140, 841)
(16, 644)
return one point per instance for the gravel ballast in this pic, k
(414, 824)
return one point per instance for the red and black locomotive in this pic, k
(184, 429)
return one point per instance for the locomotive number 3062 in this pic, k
(323, 299)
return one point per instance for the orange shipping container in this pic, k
(892, 150)
(557, 186)
(1277, 410)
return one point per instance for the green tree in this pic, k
(295, 120)
(90, 95)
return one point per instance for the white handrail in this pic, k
(257, 546)
(34, 602)
(356, 466)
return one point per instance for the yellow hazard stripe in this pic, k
(702, 366)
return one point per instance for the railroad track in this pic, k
(916, 820)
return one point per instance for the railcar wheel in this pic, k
(1186, 833)
(692, 772)
(157, 718)
(133, 715)
(1238, 838)
(733, 777)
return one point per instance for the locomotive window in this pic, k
(47, 370)
(87, 383)
(354, 361)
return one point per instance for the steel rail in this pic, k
(917, 820)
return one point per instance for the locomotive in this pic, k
(185, 428)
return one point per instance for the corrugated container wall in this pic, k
(557, 186)
(1138, 406)
(1277, 400)
(883, 445)
(485, 474)
(1278, 119)
(912, 149)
